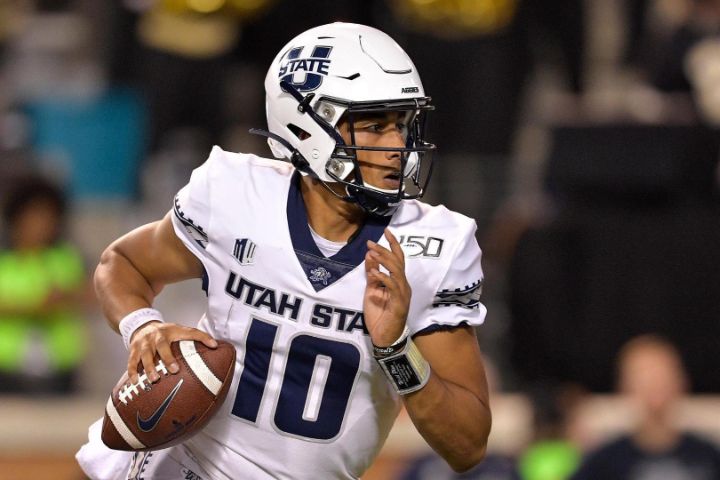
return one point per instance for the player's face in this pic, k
(381, 169)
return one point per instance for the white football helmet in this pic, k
(334, 71)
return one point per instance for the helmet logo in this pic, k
(314, 68)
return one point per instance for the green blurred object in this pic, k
(26, 281)
(549, 460)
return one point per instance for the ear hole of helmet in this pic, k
(339, 168)
(298, 132)
(326, 111)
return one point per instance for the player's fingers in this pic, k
(387, 259)
(389, 282)
(370, 262)
(147, 357)
(132, 366)
(166, 355)
(394, 264)
(373, 281)
(397, 285)
(391, 265)
(203, 337)
(395, 247)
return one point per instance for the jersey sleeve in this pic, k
(191, 210)
(456, 300)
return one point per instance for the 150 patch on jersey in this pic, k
(420, 246)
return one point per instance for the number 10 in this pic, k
(297, 411)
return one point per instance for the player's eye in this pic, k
(371, 127)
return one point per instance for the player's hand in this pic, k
(387, 295)
(156, 337)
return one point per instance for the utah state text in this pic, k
(288, 306)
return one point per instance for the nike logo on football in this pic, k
(150, 423)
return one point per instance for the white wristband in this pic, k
(407, 369)
(134, 320)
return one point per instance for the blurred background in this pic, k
(582, 135)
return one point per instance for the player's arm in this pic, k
(452, 411)
(131, 273)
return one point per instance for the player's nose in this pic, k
(394, 138)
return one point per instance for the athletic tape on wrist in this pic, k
(134, 320)
(407, 369)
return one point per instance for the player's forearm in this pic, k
(453, 420)
(120, 287)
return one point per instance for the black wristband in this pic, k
(384, 352)
(396, 347)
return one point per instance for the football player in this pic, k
(344, 295)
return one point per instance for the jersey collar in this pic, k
(323, 271)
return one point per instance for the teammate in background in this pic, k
(343, 294)
(651, 375)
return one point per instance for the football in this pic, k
(149, 416)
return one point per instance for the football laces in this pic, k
(126, 393)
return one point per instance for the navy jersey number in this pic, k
(316, 387)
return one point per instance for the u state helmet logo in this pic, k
(305, 74)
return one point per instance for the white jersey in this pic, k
(308, 400)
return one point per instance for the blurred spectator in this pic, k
(42, 333)
(652, 377)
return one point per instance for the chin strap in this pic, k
(379, 207)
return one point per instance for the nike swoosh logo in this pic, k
(150, 423)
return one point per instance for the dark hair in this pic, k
(28, 190)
